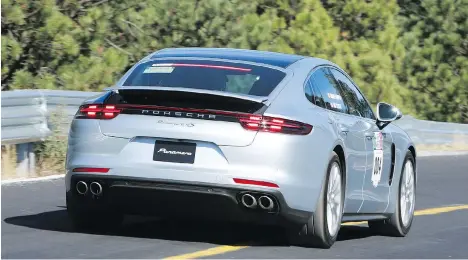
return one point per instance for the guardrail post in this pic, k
(25, 160)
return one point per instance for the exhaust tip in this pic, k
(249, 201)
(95, 188)
(81, 187)
(266, 203)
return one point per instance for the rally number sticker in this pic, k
(378, 158)
(377, 170)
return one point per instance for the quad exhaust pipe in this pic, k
(95, 188)
(266, 203)
(249, 201)
(81, 187)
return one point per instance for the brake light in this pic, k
(273, 124)
(97, 111)
(201, 66)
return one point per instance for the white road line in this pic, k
(38, 179)
(439, 153)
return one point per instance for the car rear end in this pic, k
(186, 137)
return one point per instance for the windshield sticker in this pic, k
(159, 69)
(334, 96)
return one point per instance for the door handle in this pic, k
(344, 130)
(369, 135)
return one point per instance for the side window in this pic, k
(326, 84)
(356, 102)
(313, 95)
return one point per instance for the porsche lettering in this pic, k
(178, 114)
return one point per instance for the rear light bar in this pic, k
(274, 125)
(97, 111)
(200, 66)
(257, 183)
(250, 122)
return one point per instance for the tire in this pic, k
(84, 219)
(395, 225)
(316, 232)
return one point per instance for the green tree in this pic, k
(87, 45)
(371, 50)
(436, 63)
(409, 53)
(48, 44)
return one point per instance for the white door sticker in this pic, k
(378, 141)
(378, 158)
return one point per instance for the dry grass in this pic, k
(8, 162)
(458, 143)
(443, 147)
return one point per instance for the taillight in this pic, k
(273, 124)
(87, 169)
(97, 111)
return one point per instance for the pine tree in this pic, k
(436, 63)
(412, 54)
(371, 49)
(87, 45)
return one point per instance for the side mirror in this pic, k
(386, 114)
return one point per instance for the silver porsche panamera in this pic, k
(241, 135)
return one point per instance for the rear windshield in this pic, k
(210, 75)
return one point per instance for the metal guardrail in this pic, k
(23, 117)
(424, 132)
(26, 113)
(26, 120)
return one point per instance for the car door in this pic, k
(348, 128)
(378, 145)
(381, 156)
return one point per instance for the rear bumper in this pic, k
(141, 196)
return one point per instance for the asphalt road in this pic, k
(35, 225)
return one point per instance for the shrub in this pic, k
(51, 153)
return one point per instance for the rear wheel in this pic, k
(400, 222)
(322, 229)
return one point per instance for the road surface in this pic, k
(35, 225)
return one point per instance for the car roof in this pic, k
(264, 57)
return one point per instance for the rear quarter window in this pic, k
(325, 82)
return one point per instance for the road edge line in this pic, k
(36, 179)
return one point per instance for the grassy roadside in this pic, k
(443, 148)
